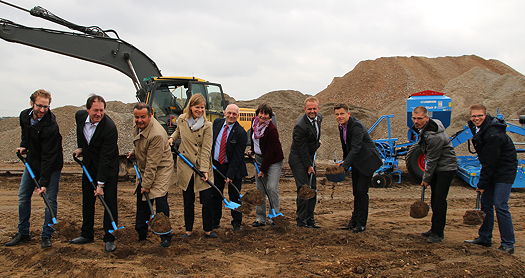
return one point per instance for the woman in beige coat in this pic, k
(196, 136)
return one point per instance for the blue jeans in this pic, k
(25, 191)
(497, 197)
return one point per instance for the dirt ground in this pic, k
(390, 247)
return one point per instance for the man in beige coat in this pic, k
(155, 162)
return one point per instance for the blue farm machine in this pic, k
(439, 107)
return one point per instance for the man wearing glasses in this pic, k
(42, 142)
(498, 158)
(440, 167)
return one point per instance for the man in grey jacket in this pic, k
(440, 167)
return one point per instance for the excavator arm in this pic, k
(100, 49)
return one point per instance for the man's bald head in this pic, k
(231, 113)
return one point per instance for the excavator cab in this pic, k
(169, 95)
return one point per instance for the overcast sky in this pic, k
(254, 47)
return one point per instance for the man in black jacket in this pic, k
(97, 144)
(229, 143)
(440, 168)
(42, 142)
(498, 158)
(305, 142)
(359, 151)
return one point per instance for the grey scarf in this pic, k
(195, 124)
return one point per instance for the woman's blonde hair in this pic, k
(195, 100)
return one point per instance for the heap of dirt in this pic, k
(382, 86)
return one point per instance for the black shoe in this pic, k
(185, 235)
(45, 242)
(433, 238)
(426, 234)
(350, 226)
(358, 229)
(313, 226)
(211, 235)
(166, 242)
(81, 240)
(508, 250)
(17, 239)
(110, 246)
(258, 224)
(236, 227)
(478, 241)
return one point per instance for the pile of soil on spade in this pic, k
(473, 217)
(160, 223)
(253, 198)
(419, 209)
(305, 192)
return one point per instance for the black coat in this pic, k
(44, 145)
(235, 146)
(496, 152)
(101, 154)
(359, 151)
(304, 143)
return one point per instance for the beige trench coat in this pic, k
(154, 158)
(196, 146)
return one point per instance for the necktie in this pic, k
(222, 150)
(314, 121)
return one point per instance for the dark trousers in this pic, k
(496, 197)
(88, 208)
(440, 185)
(305, 208)
(360, 185)
(232, 194)
(143, 214)
(189, 207)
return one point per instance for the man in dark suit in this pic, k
(229, 143)
(97, 144)
(359, 151)
(305, 142)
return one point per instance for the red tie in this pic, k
(222, 150)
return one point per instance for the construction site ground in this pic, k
(390, 247)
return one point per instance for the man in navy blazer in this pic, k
(97, 144)
(359, 151)
(229, 143)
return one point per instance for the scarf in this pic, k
(258, 129)
(195, 124)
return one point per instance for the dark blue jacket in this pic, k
(44, 145)
(496, 152)
(235, 146)
(359, 151)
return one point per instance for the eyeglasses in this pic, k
(477, 116)
(41, 106)
(417, 118)
(263, 118)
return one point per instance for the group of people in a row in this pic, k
(217, 151)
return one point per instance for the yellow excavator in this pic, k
(166, 95)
